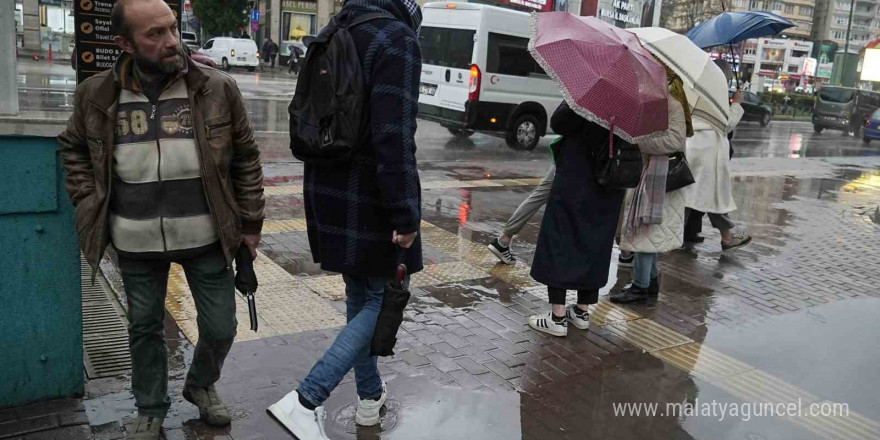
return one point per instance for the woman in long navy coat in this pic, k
(577, 233)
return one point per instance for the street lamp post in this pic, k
(852, 7)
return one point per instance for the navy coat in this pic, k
(352, 210)
(577, 233)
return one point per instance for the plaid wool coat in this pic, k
(352, 210)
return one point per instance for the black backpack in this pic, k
(327, 114)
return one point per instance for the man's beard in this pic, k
(151, 66)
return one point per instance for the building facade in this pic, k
(623, 13)
(783, 63)
(832, 18)
(685, 14)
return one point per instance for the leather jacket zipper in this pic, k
(201, 142)
(155, 129)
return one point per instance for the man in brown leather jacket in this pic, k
(162, 164)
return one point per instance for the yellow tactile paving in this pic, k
(761, 387)
(516, 275)
(605, 312)
(647, 334)
(284, 305)
(288, 306)
(454, 272)
(531, 181)
(701, 361)
(843, 426)
(331, 287)
(510, 182)
(180, 305)
(479, 183)
(279, 226)
(422, 279)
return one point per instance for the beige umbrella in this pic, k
(705, 83)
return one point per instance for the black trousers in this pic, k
(693, 224)
(557, 296)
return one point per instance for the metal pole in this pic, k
(732, 55)
(8, 76)
(852, 8)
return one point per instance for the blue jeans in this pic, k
(351, 349)
(644, 269)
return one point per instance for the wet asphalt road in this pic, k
(47, 90)
(791, 317)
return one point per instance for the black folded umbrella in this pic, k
(246, 280)
(391, 315)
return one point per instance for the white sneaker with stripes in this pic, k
(577, 318)
(545, 323)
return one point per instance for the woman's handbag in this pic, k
(621, 167)
(679, 175)
(391, 316)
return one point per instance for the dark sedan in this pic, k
(755, 110)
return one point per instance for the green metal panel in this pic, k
(27, 179)
(40, 293)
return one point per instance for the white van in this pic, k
(478, 75)
(230, 52)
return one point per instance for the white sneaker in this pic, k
(299, 420)
(581, 321)
(368, 410)
(545, 323)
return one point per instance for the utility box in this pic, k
(41, 343)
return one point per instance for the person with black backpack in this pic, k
(353, 124)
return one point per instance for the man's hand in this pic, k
(738, 97)
(251, 241)
(405, 240)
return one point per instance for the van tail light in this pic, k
(232, 53)
(868, 124)
(474, 84)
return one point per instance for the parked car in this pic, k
(190, 40)
(233, 52)
(872, 127)
(755, 110)
(843, 108)
(286, 48)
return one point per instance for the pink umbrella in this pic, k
(604, 73)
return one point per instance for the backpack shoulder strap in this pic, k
(370, 16)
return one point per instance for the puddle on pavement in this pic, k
(827, 350)
(421, 409)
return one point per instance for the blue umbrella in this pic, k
(733, 27)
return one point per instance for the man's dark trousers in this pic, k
(146, 281)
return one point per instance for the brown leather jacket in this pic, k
(230, 160)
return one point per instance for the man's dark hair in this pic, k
(118, 25)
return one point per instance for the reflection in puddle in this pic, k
(422, 409)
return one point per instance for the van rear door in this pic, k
(447, 43)
(245, 51)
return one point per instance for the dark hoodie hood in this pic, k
(400, 9)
